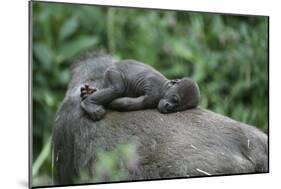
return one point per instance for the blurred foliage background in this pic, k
(226, 54)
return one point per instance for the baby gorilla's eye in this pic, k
(175, 100)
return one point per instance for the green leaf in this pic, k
(68, 28)
(64, 77)
(49, 99)
(182, 50)
(44, 54)
(42, 157)
(70, 49)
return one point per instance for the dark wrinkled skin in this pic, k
(130, 85)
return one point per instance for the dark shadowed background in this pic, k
(227, 55)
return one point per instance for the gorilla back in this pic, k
(195, 142)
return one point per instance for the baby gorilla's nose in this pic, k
(168, 106)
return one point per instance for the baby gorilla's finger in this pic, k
(83, 93)
(87, 87)
(82, 89)
(83, 96)
(92, 90)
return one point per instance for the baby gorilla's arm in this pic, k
(93, 103)
(128, 104)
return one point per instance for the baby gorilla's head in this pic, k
(181, 95)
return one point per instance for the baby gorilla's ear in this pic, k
(191, 92)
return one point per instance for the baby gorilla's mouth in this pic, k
(164, 107)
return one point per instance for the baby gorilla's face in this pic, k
(181, 95)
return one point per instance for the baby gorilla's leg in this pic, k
(96, 112)
(128, 104)
(93, 103)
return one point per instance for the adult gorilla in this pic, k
(195, 142)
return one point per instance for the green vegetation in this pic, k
(225, 54)
(110, 164)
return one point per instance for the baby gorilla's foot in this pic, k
(96, 112)
(86, 91)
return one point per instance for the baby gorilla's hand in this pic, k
(86, 91)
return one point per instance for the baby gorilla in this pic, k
(130, 85)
